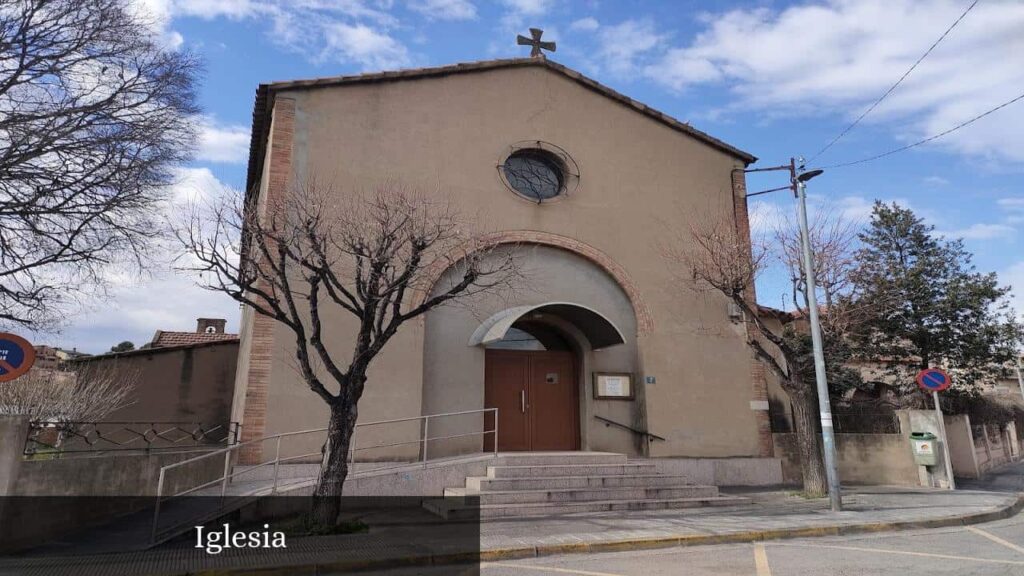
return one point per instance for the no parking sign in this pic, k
(933, 380)
(16, 356)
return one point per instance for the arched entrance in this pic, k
(532, 372)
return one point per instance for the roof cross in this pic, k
(535, 42)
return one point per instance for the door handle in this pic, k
(522, 401)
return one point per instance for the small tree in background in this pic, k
(83, 393)
(372, 256)
(712, 255)
(94, 114)
(125, 346)
(938, 310)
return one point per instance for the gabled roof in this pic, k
(265, 102)
(164, 338)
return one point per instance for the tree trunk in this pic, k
(809, 445)
(334, 467)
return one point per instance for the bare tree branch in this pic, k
(83, 394)
(372, 254)
(93, 116)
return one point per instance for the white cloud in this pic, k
(365, 45)
(1014, 277)
(529, 7)
(164, 299)
(981, 231)
(517, 13)
(223, 143)
(588, 24)
(210, 9)
(444, 9)
(1013, 211)
(767, 217)
(356, 31)
(936, 181)
(623, 43)
(840, 55)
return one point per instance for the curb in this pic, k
(519, 553)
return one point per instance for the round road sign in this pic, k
(16, 356)
(933, 380)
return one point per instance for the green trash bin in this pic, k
(926, 448)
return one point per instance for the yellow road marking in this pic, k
(996, 539)
(548, 569)
(905, 553)
(761, 561)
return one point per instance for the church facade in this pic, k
(603, 351)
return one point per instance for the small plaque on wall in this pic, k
(613, 386)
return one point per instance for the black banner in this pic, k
(128, 536)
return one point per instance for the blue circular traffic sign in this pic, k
(16, 356)
(933, 380)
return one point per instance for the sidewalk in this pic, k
(769, 515)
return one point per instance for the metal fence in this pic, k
(59, 439)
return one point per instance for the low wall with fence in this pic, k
(979, 448)
(81, 488)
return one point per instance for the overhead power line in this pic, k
(898, 82)
(928, 139)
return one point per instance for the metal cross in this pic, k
(535, 42)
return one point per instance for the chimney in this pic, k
(210, 325)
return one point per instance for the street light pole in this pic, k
(824, 406)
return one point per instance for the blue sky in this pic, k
(773, 78)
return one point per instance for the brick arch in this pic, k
(644, 321)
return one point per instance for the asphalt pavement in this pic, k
(990, 549)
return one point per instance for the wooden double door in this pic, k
(537, 397)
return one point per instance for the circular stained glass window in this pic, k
(536, 174)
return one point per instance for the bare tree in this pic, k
(373, 256)
(93, 115)
(82, 394)
(712, 255)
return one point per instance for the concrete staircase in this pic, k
(552, 483)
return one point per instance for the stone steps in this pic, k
(452, 510)
(551, 458)
(545, 484)
(482, 483)
(570, 470)
(585, 494)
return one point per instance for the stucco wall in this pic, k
(454, 371)
(877, 459)
(127, 475)
(639, 178)
(92, 492)
(182, 384)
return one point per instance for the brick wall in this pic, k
(759, 385)
(254, 419)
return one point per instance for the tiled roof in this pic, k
(163, 339)
(265, 101)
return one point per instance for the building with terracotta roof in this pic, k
(207, 330)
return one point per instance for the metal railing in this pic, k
(229, 474)
(68, 438)
(649, 436)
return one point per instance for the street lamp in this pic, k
(824, 406)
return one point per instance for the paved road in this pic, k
(993, 549)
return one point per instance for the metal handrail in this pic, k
(649, 435)
(227, 452)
